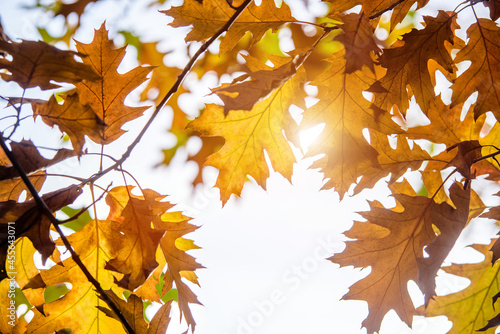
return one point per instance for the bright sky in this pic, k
(265, 253)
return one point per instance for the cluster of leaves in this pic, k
(367, 89)
(137, 251)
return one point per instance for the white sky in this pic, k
(265, 253)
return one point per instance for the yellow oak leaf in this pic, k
(9, 323)
(248, 134)
(106, 96)
(208, 16)
(179, 263)
(483, 75)
(95, 244)
(395, 253)
(475, 301)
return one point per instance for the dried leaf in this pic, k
(408, 64)
(37, 64)
(106, 96)
(247, 134)
(345, 112)
(394, 256)
(471, 308)
(208, 16)
(484, 73)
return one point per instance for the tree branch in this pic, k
(48, 213)
(171, 92)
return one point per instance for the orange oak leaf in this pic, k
(161, 320)
(407, 64)
(106, 96)
(358, 40)
(208, 16)
(12, 189)
(394, 252)
(137, 257)
(394, 161)
(37, 64)
(242, 94)
(446, 126)
(494, 213)
(345, 112)
(375, 8)
(483, 75)
(73, 118)
(475, 301)
(247, 134)
(450, 222)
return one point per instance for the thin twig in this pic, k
(48, 213)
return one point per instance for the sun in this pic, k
(308, 136)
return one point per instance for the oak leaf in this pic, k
(390, 161)
(494, 7)
(247, 134)
(73, 118)
(95, 244)
(36, 64)
(446, 125)
(106, 96)
(137, 257)
(242, 94)
(29, 158)
(394, 252)
(9, 323)
(375, 8)
(345, 112)
(359, 41)
(31, 222)
(483, 75)
(12, 189)
(132, 309)
(208, 16)
(407, 64)
(180, 264)
(475, 301)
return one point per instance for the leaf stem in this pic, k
(48, 213)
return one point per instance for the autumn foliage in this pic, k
(368, 91)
